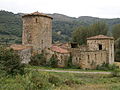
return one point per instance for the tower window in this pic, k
(100, 47)
(88, 57)
(36, 20)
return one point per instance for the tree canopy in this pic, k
(80, 34)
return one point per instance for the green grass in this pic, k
(39, 80)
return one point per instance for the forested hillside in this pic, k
(63, 26)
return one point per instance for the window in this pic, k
(100, 47)
(42, 41)
(95, 57)
(74, 45)
(36, 20)
(88, 57)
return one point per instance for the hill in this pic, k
(63, 26)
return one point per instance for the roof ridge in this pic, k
(100, 37)
(37, 14)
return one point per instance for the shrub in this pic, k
(38, 60)
(40, 80)
(53, 61)
(10, 62)
(116, 73)
(56, 80)
(107, 67)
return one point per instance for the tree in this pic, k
(99, 28)
(80, 34)
(116, 31)
(10, 62)
(117, 50)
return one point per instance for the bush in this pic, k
(53, 61)
(56, 80)
(38, 60)
(116, 73)
(107, 67)
(10, 62)
(40, 81)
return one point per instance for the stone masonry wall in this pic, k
(89, 59)
(107, 45)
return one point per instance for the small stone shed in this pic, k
(25, 52)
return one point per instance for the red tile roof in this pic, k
(19, 47)
(37, 14)
(100, 37)
(58, 49)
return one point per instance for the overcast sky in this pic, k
(74, 8)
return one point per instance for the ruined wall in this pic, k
(62, 57)
(25, 55)
(103, 44)
(37, 32)
(89, 59)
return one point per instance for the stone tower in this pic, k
(37, 31)
(101, 42)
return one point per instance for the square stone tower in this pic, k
(101, 42)
(37, 31)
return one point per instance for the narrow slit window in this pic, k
(88, 57)
(100, 47)
(36, 20)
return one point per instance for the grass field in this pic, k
(39, 80)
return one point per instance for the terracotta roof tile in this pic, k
(37, 14)
(58, 49)
(100, 37)
(19, 47)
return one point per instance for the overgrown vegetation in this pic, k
(107, 67)
(38, 60)
(10, 62)
(116, 73)
(58, 81)
(53, 62)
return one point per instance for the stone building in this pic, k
(99, 50)
(37, 31)
(37, 38)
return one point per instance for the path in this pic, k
(83, 72)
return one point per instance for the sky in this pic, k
(73, 8)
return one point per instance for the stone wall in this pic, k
(62, 57)
(88, 59)
(103, 44)
(25, 55)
